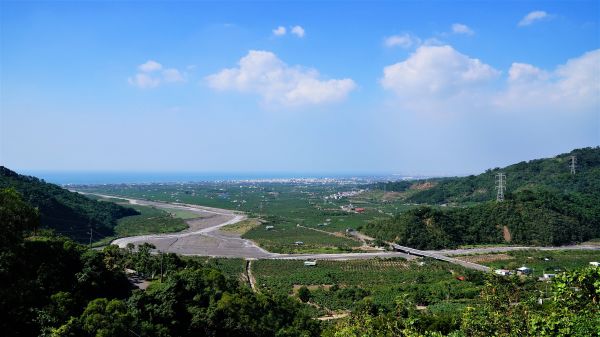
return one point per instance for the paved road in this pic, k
(488, 250)
(438, 256)
(204, 238)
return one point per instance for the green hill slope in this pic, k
(549, 173)
(66, 212)
(545, 205)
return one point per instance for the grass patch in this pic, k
(282, 238)
(546, 261)
(150, 220)
(242, 227)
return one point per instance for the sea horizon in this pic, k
(139, 177)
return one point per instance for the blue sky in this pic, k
(397, 87)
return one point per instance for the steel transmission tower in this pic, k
(573, 162)
(500, 186)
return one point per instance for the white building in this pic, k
(524, 271)
(502, 272)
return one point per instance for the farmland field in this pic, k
(540, 261)
(341, 285)
(282, 205)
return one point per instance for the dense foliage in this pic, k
(343, 285)
(528, 217)
(509, 307)
(52, 286)
(66, 212)
(545, 205)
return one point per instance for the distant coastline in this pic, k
(83, 178)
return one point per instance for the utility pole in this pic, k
(500, 186)
(91, 235)
(573, 163)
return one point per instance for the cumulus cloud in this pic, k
(571, 87)
(401, 40)
(263, 73)
(533, 17)
(438, 79)
(144, 81)
(172, 75)
(520, 72)
(298, 31)
(150, 66)
(438, 70)
(151, 75)
(279, 31)
(459, 28)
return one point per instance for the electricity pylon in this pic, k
(500, 186)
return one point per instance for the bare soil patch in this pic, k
(506, 234)
(423, 186)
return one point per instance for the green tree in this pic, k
(304, 294)
(101, 318)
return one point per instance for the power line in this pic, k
(500, 186)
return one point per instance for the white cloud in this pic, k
(520, 72)
(435, 70)
(279, 31)
(148, 75)
(263, 73)
(144, 81)
(571, 87)
(459, 28)
(150, 66)
(438, 79)
(402, 40)
(533, 17)
(172, 75)
(298, 31)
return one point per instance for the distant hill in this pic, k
(545, 205)
(66, 212)
(549, 173)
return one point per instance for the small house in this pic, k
(299, 243)
(269, 227)
(548, 276)
(524, 271)
(595, 263)
(310, 263)
(359, 210)
(502, 272)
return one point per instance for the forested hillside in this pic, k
(52, 286)
(545, 205)
(66, 212)
(550, 173)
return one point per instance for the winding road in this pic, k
(204, 238)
